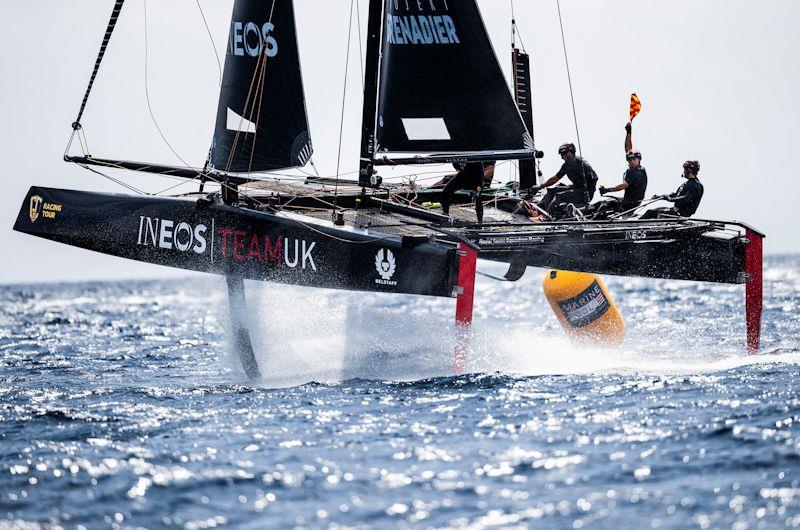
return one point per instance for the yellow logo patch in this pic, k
(35, 208)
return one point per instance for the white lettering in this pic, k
(272, 44)
(141, 225)
(238, 40)
(308, 257)
(183, 227)
(252, 51)
(451, 29)
(200, 240)
(441, 33)
(165, 236)
(152, 228)
(415, 32)
(248, 38)
(290, 263)
(421, 29)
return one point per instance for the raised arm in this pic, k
(628, 139)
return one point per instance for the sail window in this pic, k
(418, 129)
(239, 124)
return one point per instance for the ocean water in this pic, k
(122, 406)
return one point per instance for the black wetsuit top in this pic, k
(469, 177)
(470, 174)
(637, 187)
(575, 170)
(687, 198)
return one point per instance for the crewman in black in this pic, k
(686, 199)
(634, 180)
(470, 176)
(580, 174)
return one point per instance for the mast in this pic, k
(524, 98)
(112, 22)
(366, 177)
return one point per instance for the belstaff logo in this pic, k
(386, 266)
(35, 208)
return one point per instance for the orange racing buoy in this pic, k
(583, 306)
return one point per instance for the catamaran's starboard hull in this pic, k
(688, 251)
(231, 241)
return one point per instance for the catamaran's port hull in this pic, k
(291, 249)
(220, 239)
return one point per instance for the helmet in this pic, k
(566, 148)
(693, 166)
(633, 153)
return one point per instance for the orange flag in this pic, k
(636, 106)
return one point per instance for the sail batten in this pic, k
(261, 118)
(441, 90)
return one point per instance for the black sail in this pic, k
(261, 120)
(441, 87)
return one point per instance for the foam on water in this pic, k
(673, 327)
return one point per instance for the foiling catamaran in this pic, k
(434, 92)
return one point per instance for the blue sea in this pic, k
(123, 406)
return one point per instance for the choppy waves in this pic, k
(121, 406)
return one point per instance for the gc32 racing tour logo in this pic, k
(46, 210)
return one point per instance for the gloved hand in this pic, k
(628, 128)
(535, 189)
(604, 190)
(658, 197)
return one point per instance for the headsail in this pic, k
(261, 119)
(441, 92)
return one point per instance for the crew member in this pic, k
(470, 176)
(634, 180)
(686, 199)
(580, 174)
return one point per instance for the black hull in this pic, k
(695, 252)
(230, 241)
(282, 248)
(436, 260)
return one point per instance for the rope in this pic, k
(344, 101)
(261, 66)
(360, 50)
(571, 93)
(147, 92)
(211, 38)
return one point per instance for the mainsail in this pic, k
(261, 119)
(441, 95)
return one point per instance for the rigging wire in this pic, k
(112, 179)
(147, 92)
(569, 78)
(211, 38)
(344, 101)
(360, 50)
(514, 32)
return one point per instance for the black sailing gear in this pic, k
(582, 176)
(636, 178)
(469, 177)
(688, 197)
